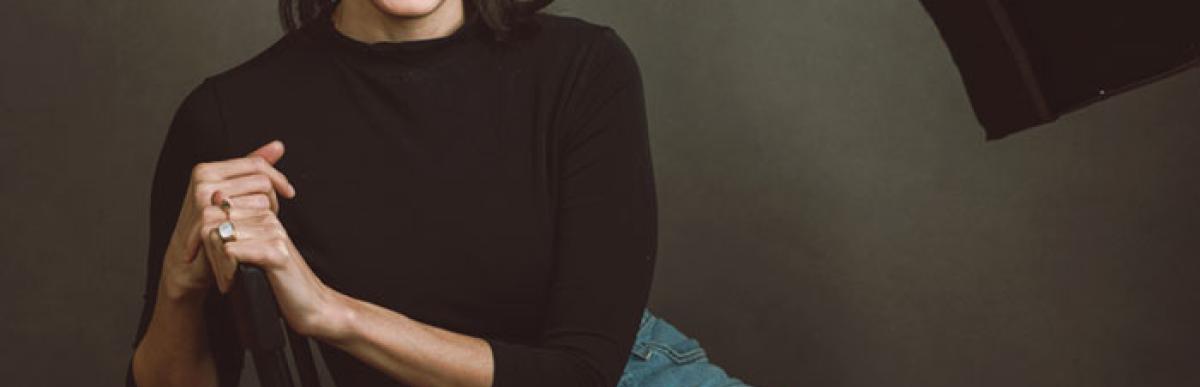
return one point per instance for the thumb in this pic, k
(271, 152)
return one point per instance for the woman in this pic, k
(467, 199)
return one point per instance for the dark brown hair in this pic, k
(506, 18)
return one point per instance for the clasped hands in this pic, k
(197, 257)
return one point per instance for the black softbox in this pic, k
(1026, 62)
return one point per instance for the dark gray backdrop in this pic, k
(830, 215)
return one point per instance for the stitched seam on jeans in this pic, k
(677, 355)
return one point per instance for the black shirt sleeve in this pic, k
(196, 134)
(606, 231)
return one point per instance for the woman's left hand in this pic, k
(310, 307)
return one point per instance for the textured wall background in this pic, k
(829, 212)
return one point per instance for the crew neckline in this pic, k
(419, 50)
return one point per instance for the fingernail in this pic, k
(217, 197)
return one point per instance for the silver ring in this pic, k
(226, 231)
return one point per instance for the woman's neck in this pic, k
(363, 21)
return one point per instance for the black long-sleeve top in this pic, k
(499, 190)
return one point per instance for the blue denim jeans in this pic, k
(664, 356)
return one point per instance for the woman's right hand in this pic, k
(247, 182)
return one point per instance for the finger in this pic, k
(264, 253)
(210, 217)
(245, 222)
(238, 186)
(218, 261)
(250, 215)
(212, 253)
(217, 197)
(255, 201)
(257, 231)
(226, 169)
(271, 152)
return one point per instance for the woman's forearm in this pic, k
(408, 350)
(174, 350)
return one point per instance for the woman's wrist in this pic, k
(335, 322)
(172, 291)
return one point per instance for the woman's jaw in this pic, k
(398, 20)
(408, 8)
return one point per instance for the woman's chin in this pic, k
(407, 8)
